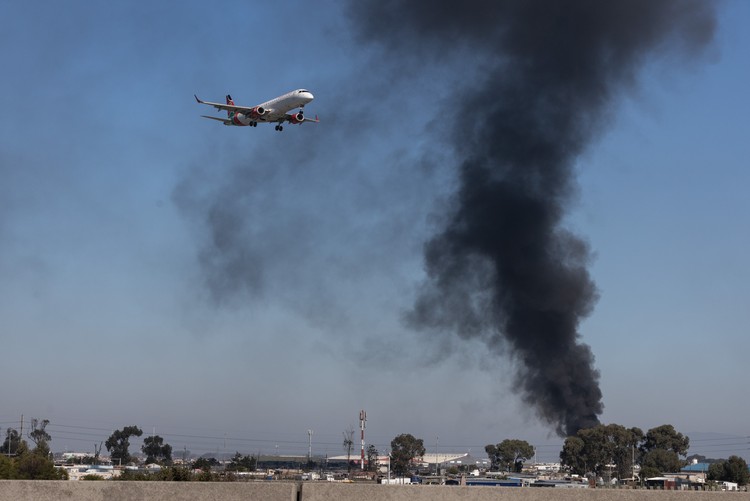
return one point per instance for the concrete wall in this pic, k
(47, 490)
(112, 490)
(328, 492)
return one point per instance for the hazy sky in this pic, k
(232, 288)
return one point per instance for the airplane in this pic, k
(273, 111)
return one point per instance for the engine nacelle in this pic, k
(257, 112)
(297, 118)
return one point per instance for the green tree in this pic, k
(12, 442)
(156, 450)
(91, 476)
(348, 444)
(596, 449)
(658, 461)
(242, 463)
(174, 474)
(7, 468)
(661, 451)
(118, 443)
(624, 445)
(404, 449)
(572, 456)
(82, 460)
(510, 454)
(133, 475)
(372, 458)
(733, 469)
(38, 431)
(39, 436)
(667, 438)
(31, 465)
(205, 464)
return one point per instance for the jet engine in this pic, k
(296, 118)
(257, 112)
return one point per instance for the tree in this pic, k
(205, 464)
(34, 466)
(7, 468)
(667, 438)
(510, 454)
(658, 461)
(242, 463)
(372, 458)
(572, 457)
(624, 446)
(348, 444)
(733, 469)
(39, 436)
(661, 451)
(404, 449)
(119, 442)
(12, 442)
(156, 450)
(594, 450)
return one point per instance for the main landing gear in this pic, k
(279, 128)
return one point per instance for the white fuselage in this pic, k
(277, 108)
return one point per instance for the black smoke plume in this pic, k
(541, 77)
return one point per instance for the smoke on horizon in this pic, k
(541, 78)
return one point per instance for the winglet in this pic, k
(196, 98)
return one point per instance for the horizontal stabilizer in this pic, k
(222, 120)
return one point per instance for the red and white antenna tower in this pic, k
(362, 420)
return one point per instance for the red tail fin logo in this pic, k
(230, 102)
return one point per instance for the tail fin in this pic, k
(229, 101)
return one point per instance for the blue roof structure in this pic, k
(696, 468)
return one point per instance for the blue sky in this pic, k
(115, 310)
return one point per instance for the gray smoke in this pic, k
(541, 77)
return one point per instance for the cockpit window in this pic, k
(301, 91)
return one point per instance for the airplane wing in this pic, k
(293, 118)
(226, 107)
(225, 121)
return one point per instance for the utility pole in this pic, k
(389, 468)
(437, 461)
(362, 420)
(309, 445)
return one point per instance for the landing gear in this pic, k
(279, 128)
